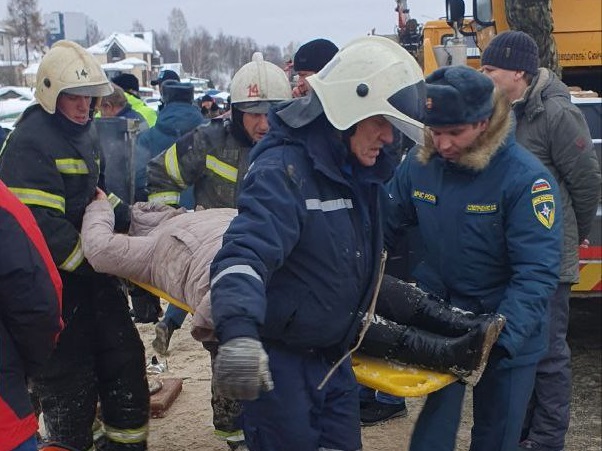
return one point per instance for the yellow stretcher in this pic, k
(397, 379)
(379, 374)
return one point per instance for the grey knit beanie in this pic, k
(512, 50)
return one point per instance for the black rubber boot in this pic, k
(464, 356)
(146, 306)
(406, 304)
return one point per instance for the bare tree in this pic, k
(25, 22)
(163, 46)
(178, 30)
(197, 53)
(94, 33)
(273, 54)
(137, 26)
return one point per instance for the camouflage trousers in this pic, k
(534, 17)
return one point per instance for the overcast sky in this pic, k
(265, 21)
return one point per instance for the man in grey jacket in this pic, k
(551, 127)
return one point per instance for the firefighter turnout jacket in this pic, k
(210, 157)
(55, 175)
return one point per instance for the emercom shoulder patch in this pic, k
(544, 207)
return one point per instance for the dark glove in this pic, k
(241, 369)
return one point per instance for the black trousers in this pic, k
(99, 356)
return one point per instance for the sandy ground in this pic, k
(187, 425)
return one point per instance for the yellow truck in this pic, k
(577, 32)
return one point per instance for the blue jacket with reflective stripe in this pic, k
(300, 261)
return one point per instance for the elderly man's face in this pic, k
(256, 125)
(371, 134)
(75, 108)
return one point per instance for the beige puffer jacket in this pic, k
(167, 248)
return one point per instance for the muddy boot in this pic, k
(406, 304)
(163, 333)
(464, 356)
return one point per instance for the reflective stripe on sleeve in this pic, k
(172, 167)
(75, 259)
(236, 269)
(71, 166)
(165, 197)
(117, 435)
(224, 170)
(40, 198)
(328, 205)
(113, 200)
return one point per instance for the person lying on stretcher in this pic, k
(172, 249)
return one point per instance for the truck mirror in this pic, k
(482, 11)
(455, 13)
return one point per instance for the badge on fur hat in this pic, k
(544, 207)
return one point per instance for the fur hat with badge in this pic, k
(313, 55)
(457, 95)
(512, 50)
(175, 91)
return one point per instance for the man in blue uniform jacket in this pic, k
(487, 211)
(300, 263)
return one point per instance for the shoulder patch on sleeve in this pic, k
(540, 185)
(544, 207)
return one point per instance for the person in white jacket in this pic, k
(166, 248)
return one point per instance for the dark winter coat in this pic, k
(300, 262)
(30, 320)
(554, 129)
(53, 167)
(490, 229)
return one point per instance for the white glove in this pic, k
(241, 369)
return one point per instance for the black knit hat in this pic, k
(512, 50)
(457, 95)
(313, 55)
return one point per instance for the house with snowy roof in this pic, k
(125, 53)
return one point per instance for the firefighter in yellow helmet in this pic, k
(53, 163)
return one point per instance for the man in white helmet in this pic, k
(301, 262)
(214, 157)
(52, 162)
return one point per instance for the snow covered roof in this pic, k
(119, 65)
(135, 62)
(32, 69)
(129, 44)
(15, 92)
(11, 63)
(125, 64)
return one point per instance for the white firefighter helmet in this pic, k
(257, 85)
(372, 76)
(69, 68)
